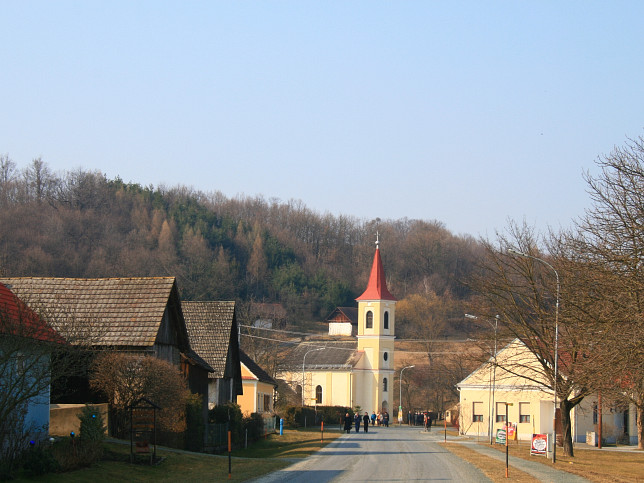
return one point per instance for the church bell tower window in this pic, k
(369, 324)
(386, 326)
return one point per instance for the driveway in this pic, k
(383, 454)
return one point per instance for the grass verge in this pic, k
(261, 458)
(594, 465)
(493, 469)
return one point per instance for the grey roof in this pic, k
(332, 355)
(104, 311)
(209, 327)
(253, 367)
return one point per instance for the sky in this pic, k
(470, 113)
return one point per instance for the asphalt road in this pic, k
(383, 454)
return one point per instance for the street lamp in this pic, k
(554, 418)
(303, 362)
(490, 409)
(400, 397)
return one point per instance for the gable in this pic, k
(212, 331)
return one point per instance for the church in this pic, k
(346, 370)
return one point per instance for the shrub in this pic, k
(38, 461)
(92, 426)
(194, 436)
(229, 414)
(75, 453)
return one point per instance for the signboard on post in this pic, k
(539, 444)
(500, 436)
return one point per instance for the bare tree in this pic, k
(611, 239)
(524, 292)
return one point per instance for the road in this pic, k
(383, 454)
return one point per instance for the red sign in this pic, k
(539, 444)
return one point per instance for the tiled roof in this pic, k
(19, 320)
(110, 311)
(252, 366)
(344, 314)
(377, 285)
(209, 327)
(332, 355)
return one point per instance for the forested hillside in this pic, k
(81, 224)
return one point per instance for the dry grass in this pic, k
(594, 465)
(493, 469)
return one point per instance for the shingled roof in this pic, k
(212, 328)
(123, 311)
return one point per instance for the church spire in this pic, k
(377, 285)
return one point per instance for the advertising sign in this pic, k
(500, 436)
(539, 444)
(512, 431)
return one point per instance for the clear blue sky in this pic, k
(465, 112)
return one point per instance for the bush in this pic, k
(92, 426)
(229, 414)
(75, 453)
(194, 436)
(297, 416)
(38, 461)
(254, 426)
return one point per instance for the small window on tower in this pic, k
(369, 320)
(385, 356)
(386, 320)
(384, 385)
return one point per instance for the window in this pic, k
(524, 412)
(385, 356)
(318, 395)
(595, 414)
(384, 385)
(500, 412)
(369, 320)
(267, 402)
(386, 320)
(477, 412)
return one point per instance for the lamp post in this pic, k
(303, 362)
(490, 410)
(400, 396)
(554, 417)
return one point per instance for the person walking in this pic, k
(347, 423)
(365, 419)
(385, 419)
(356, 420)
(373, 418)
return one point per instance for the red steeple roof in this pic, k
(377, 286)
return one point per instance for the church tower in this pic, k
(376, 333)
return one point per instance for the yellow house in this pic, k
(518, 381)
(351, 371)
(258, 388)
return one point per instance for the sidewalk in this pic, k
(540, 471)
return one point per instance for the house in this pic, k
(485, 392)
(355, 370)
(343, 321)
(258, 388)
(136, 315)
(27, 343)
(212, 330)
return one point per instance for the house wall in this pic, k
(540, 411)
(340, 328)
